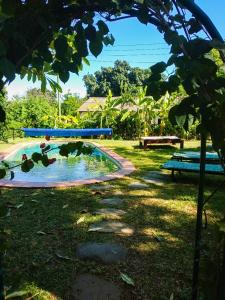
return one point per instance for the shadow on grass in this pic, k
(45, 227)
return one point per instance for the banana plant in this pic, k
(107, 112)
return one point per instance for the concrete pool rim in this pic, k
(125, 168)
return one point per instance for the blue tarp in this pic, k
(66, 132)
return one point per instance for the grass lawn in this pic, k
(160, 252)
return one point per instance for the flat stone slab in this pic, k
(118, 193)
(138, 185)
(111, 213)
(101, 187)
(111, 201)
(104, 252)
(91, 287)
(112, 227)
(157, 178)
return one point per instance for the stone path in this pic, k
(110, 213)
(138, 185)
(111, 227)
(101, 187)
(157, 178)
(91, 287)
(105, 252)
(114, 201)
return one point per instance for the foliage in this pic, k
(30, 110)
(113, 78)
(70, 104)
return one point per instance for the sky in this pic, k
(140, 45)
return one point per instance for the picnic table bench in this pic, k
(185, 166)
(148, 140)
(194, 156)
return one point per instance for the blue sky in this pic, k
(140, 45)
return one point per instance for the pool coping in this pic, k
(126, 167)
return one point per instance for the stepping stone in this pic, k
(112, 227)
(111, 201)
(104, 252)
(111, 213)
(101, 187)
(138, 185)
(157, 178)
(118, 193)
(91, 287)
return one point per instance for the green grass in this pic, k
(157, 268)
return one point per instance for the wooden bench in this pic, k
(184, 166)
(148, 140)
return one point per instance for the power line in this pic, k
(132, 45)
(130, 62)
(142, 49)
(141, 54)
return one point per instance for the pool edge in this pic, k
(126, 168)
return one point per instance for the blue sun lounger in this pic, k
(66, 132)
(194, 156)
(184, 166)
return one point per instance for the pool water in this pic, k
(64, 169)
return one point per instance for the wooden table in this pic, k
(148, 140)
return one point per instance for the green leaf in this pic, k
(96, 46)
(90, 32)
(195, 26)
(63, 257)
(27, 165)
(2, 173)
(198, 47)
(81, 45)
(45, 161)
(36, 157)
(64, 76)
(46, 148)
(108, 40)
(159, 67)
(43, 84)
(61, 47)
(170, 36)
(16, 294)
(172, 296)
(103, 28)
(127, 279)
(86, 61)
(7, 68)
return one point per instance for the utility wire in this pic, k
(132, 45)
(130, 62)
(141, 49)
(141, 54)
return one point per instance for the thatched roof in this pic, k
(93, 103)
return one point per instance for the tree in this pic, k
(70, 104)
(64, 32)
(121, 73)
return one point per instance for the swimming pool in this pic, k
(101, 165)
